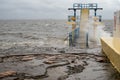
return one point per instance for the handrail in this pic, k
(73, 36)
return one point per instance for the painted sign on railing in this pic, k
(90, 5)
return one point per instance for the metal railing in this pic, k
(73, 36)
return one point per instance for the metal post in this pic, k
(95, 12)
(100, 18)
(87, 45)
(75, 13)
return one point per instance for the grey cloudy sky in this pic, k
(52, 9)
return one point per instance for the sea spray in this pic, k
(95, 31)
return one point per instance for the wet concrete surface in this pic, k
(62, 66)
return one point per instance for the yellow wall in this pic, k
(111, 48)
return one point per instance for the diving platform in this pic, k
(80, 37)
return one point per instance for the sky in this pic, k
(50, 9)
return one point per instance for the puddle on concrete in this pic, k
(58, 73)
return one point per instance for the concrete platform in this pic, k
(111, 47)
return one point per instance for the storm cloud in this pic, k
(50, 9)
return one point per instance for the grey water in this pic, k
(25, 35)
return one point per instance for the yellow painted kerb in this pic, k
(111, 47)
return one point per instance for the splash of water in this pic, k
(95, 31)
(101, 33)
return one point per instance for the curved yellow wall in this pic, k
(111, 47)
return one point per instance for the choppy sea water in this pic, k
(29, 35)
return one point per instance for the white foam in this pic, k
(96, 31)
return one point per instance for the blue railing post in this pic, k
(70, 39)
(87, 45)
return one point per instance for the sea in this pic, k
(35, 36)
